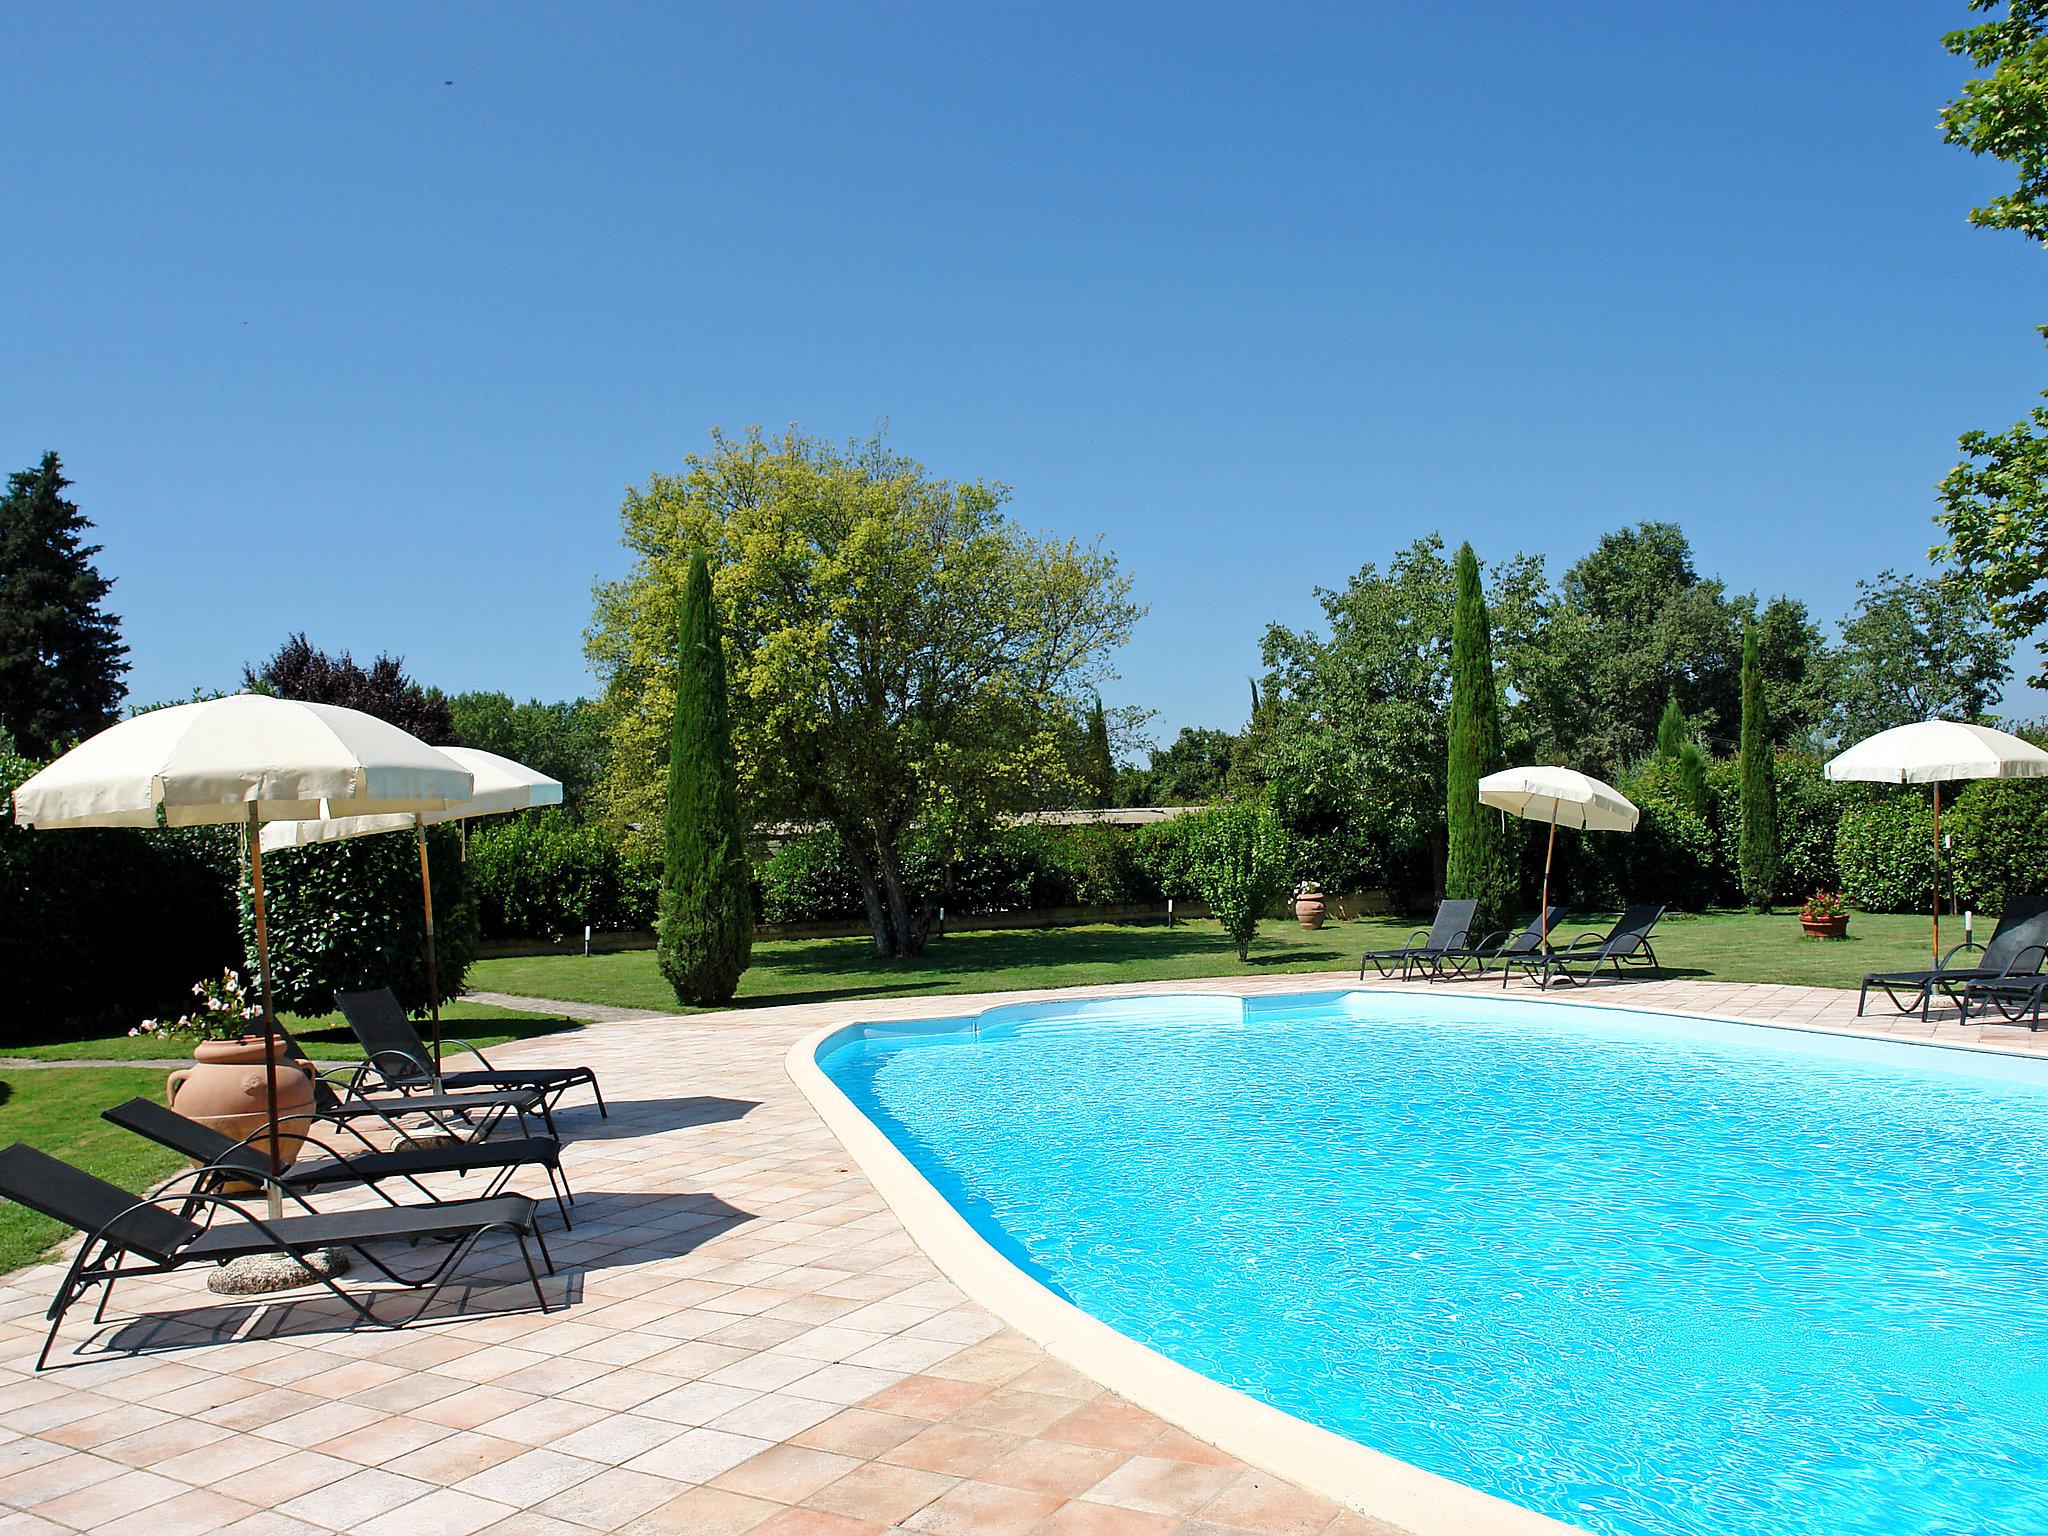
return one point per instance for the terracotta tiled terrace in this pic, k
(749, 1342)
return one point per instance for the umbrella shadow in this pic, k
(643, 1117)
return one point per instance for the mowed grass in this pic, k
(57, 1109)
(325, 1038)
(1720, 946)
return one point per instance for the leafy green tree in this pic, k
(2000, 114)
(1995, 508)
(899, 651)
(706, 923)
(1192, 769)
(564, 740)
(1918, 648)
(1759, 795)
(1239, 860)
(1355, 736)
(61, 656)
(1101, 761)
(1479, 863)
(1994, 504)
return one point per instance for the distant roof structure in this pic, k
(1114, 816)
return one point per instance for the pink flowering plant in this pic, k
(1822, 905)
(225, 1012)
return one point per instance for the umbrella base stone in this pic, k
(258, 1274)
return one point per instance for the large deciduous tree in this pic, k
(61, 656)
(298, 671)
(1479, 863)
(1917, 648)
(564, 739)
(899, 650)
(706, 923)
(1994, 504)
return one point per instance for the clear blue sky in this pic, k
(1255, 293)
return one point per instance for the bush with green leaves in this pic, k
(1164, 855)
(346, 917)
(1999, 848)
(1242, 862)
(1671, 856)
(544, 876)
(1885, 852)
(105, 926)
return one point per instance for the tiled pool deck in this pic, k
(751, 1344)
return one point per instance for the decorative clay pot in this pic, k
(1309, 909)
(223, 1088)
(1825, 927)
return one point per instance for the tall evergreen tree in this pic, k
(1101, 761)
(1479, 864)
(706, 920)
(1757, 785)
(61, 656)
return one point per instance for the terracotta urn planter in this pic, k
(1309, 910)
(1825, 927)
(223, 1088)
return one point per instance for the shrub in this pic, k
(1885, 851)
(346, 917)
(1164, 856)
(104, 926)
(542, 876)
(807, 879)
(1242, 863)
(1809, 812)
(1672, 855)
(1999, 846)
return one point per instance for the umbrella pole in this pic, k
(1937, 872)
(1549, 849)
(419, 830)
(255, 830)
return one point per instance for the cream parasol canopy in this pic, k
(498, 786)
(1937, 752)
(1563, 798)
(247, 758)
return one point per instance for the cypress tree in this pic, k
(1757, 785)
(706, 924)
(61, 656)
(1675, 745)
(1479, 864)
(1101, 761)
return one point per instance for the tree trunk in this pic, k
(871, 897)
(909, 927)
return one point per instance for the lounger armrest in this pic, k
(1460, 938)
(1583, 942)
(306, 1137)
(2019, 967)
(449, 1044)
(1419, 939)
(1492, 942)
(380, 1061)
(1943, 963)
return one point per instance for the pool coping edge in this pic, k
(1354, 1475)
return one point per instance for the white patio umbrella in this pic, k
(1936, 752)
(248, 758)
(498, 786)
(1563, 798)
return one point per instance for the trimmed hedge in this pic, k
(103, 927)
(346, 917)
(1885, 851)
(544, 876)
(1999, 842)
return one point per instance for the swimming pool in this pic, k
(1648, 1275)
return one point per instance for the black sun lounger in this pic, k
(399, 1058)
(1458, 964)
(126, 1237)
(1426, 947)
(239, 1163)
(469, 1116)
(2014, 951)
(1625, 947)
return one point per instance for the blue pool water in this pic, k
(1647, 1276)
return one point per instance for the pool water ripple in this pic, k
(1647, 1276)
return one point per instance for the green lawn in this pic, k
(325, 1038)
(58, 1110)
(1726, 946)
